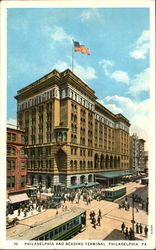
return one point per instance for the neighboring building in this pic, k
(146, 162)
(70, 135)
(137, 158)
(16, 161)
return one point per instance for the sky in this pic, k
(117, 69)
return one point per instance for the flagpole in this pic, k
(72, 57)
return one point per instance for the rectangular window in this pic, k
(51, 235)
(23, 138)
(8, 150)
(13, 137)
(9, 165)
(23, 165)
(8, 136)
(8, 181)
(13, 165)
(22, 181)
(13, 181)
(56, 231)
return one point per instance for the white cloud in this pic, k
(60, 35)
(136, 112)
(61, 66)
(140, 82)
(117, 75)
(12, 121)
(89, 14)
(120, 76)
(86, 73)
(105, 65)
(141, 46)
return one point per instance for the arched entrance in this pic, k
(90, 178)
(82, 179)
(115, 162)
(118, 162)
(61, 160)
(96, 161)
(102, 162)
(107, 161)
(73, 180)
(111, 161)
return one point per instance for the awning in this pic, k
(113, 174)
(92, 184)
(77, 186)
(18, 198)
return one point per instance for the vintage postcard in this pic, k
(77, 120)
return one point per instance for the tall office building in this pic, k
(137, 153)
(70, 135)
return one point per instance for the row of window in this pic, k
(11, 180)
(13, 137)
(11, 165)
(13, 151)
(59, 230)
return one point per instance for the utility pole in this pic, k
(132, 221)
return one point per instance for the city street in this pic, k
(112, 217)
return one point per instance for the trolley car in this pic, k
(59, 227)
(113, 193)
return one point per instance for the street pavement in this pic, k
(112, 217)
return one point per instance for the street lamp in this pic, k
(132, 221)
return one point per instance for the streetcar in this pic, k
(113, 193)
(59, 227)
(144, 181)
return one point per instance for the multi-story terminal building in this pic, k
(16, 164)
(70, 135)
(137, 157)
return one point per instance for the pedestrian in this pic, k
(19, 211)
(146, 231)
(93, 214)
(140, 229)
(94, 222)
(137, 228)
(126, 234)
(100, 213)
(25, 212)
(123, 227)
(128, 206)
(137, 210)
(99, 220)
(131, 234)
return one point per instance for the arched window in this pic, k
(84, 164)
(80, 164)
(64, 136)
(71, 164)
(75, 164)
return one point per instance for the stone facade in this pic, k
(70, 135)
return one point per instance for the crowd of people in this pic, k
(130, 233)
(140, 203)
